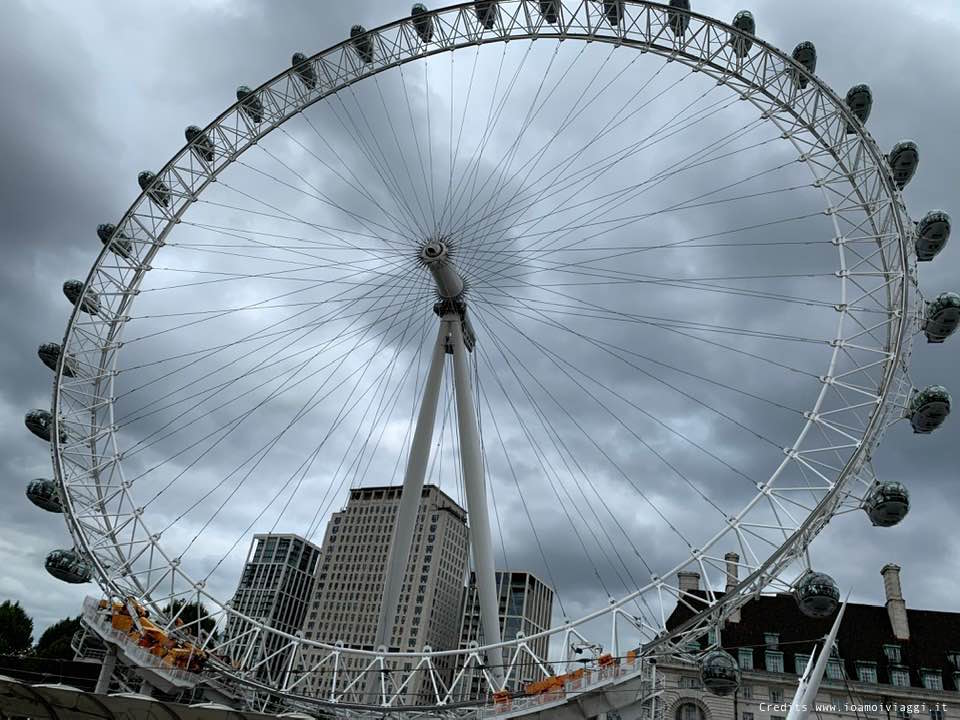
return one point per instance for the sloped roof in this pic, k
(862, 635)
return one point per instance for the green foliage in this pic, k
(189, 616)
(55, 641)
(16, 629)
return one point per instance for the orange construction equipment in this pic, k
(502, 700)
(179, 657)
(121, 622)
(535, 688)
(549, 684)
(607, 660)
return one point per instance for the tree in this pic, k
(55, 641)
(189, 615)
(16, 629)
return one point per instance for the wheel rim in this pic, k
(186, 176)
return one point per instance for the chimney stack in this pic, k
(733, 577)
(733, 571)
(688, 581)
(896, 607)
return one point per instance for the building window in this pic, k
(747, 692)
(801, 663)
(900, 677)
(772, 640)
(776, 695)
(954, 658)
(866, 672)
(748, 716)
(936, 713)
(745, 658)
(892, 652)
(835, 669)
(689, 711)
(774, 661)
(932, 679)
(689, 682)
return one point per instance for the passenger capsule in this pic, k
(805, 54)
(250, 104)
(933, 232)
(90, 303)
(121, 244)
(155, 188)
(679, 20)
(422, 22)
(550, 10)
(929, 408)
(887, 504)
(304, 69)
(200, 143)
(44, 494)
(744, 22)
(942, 317)
(817, 595)
(69, 566)
(860, 102)
(362, 43)
(613, 9)
(904, 159)
(49, 354)
(486, 11)
(719, 673)
(39, 422)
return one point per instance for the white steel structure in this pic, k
(517, 296)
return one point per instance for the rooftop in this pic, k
(864, 632)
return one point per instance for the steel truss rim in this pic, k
(675, 50)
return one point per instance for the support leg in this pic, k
(106, 671)
(413, 479)
(476, 491)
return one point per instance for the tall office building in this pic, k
(349, 582)
(526, 605)
(275, 587)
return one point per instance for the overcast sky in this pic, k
(98, 91)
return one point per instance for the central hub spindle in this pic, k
(436, 256)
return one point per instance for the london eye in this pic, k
(634, 287)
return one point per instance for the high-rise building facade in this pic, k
(526, 606)
(275, 587)
(349, 582)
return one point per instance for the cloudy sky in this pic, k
(103, 90)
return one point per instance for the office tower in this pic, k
(275, 587)
(349, 582)
(526, 605)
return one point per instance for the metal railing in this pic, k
(99, 621)
(591, 679)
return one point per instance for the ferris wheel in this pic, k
(642, 302)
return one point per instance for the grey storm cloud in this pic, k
(103, 90)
